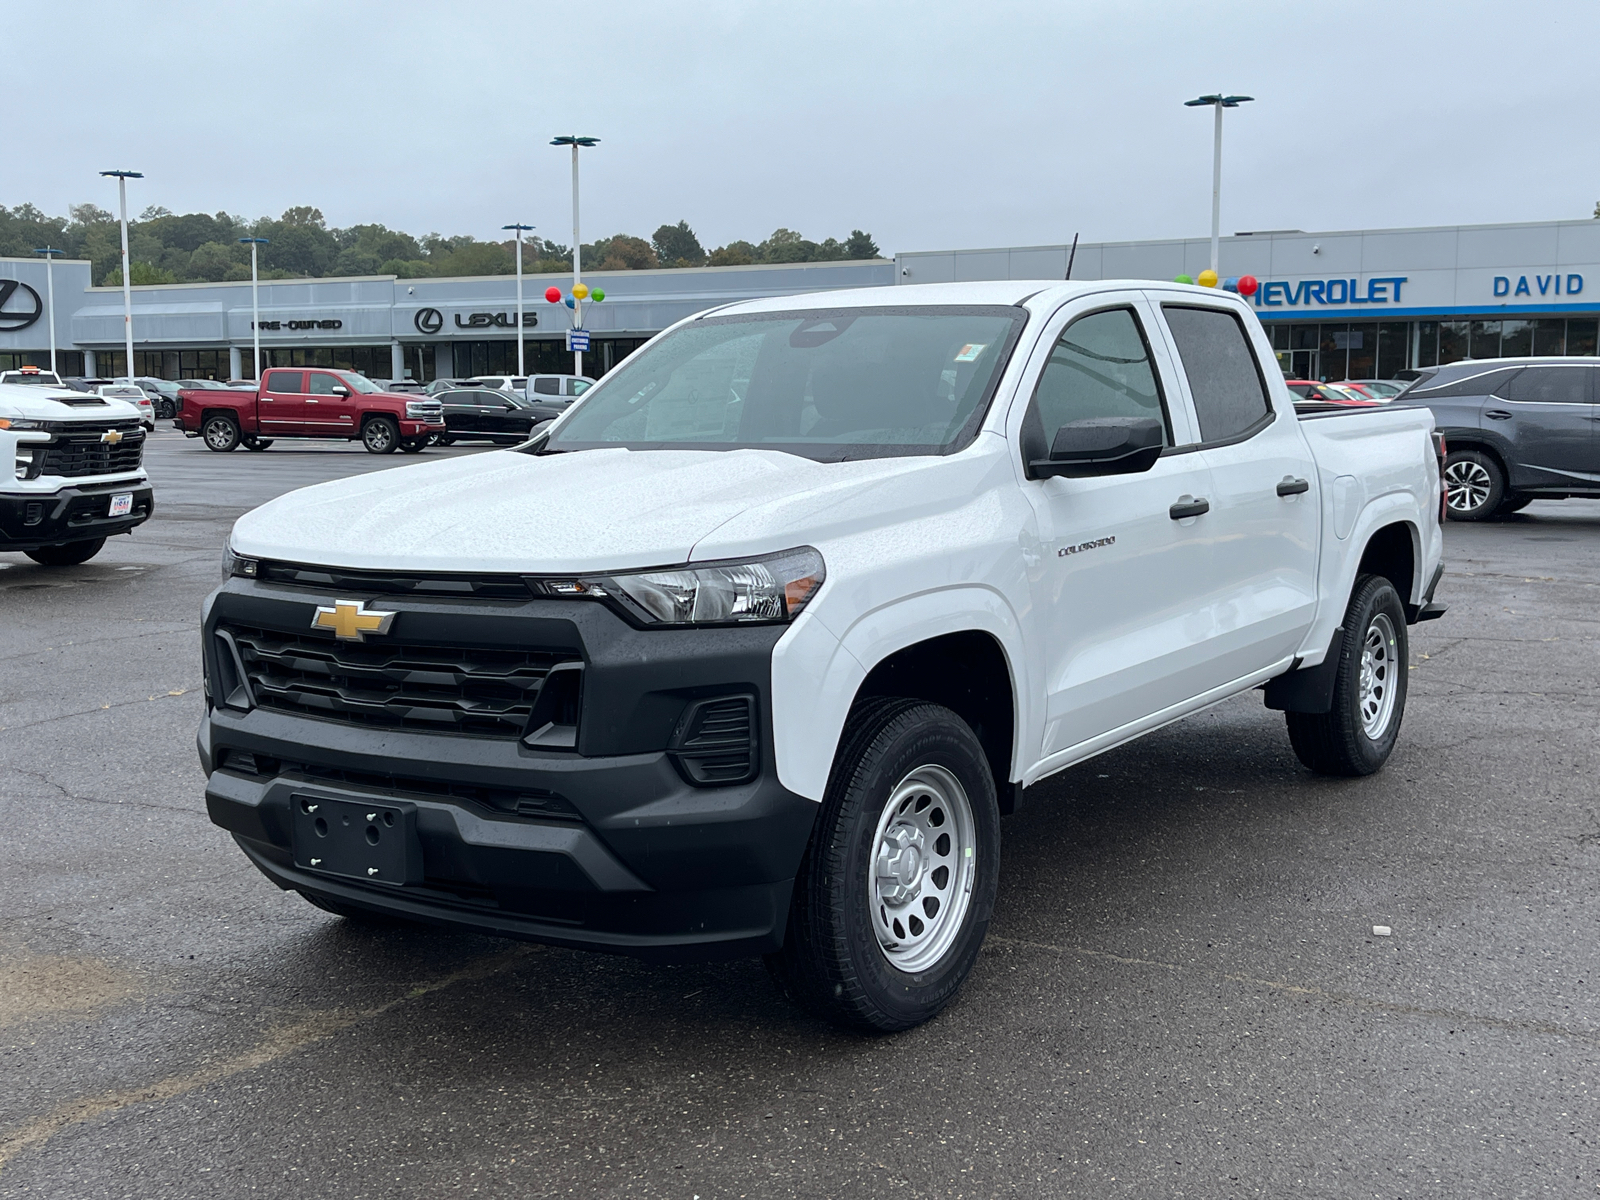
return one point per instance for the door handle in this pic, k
(1290, 486)
(1189, 506)
(1498, 414)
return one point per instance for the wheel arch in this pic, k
(1394, 551)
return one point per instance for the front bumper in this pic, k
(70, 514)
(605, 846)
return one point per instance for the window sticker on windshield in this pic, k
(970, 352)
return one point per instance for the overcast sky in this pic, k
(932, 124)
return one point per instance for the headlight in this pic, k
(235, 566)
(16, 423)
(762, 590)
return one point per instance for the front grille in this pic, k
(486, 692)
(81, 452)
(425, 410)
(338, 579)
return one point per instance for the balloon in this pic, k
(1184, 279)
(597, 295)
(571, 303)
(580, 291)
(1231, 284)
(1247, 285)
(1208, 278)
(553, 295)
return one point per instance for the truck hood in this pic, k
(594, 510)
(36, 402)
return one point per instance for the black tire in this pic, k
(380, 435)
(220, 432)
(351, 912)
(444, 439)
(68, 554)
(1476, 483)
(1340, 741)
(833, 962)
(435, 439)
(166, 410)
(413, 445)
(253, 443)
(1514, 502)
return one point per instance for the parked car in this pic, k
(201, 384)
(79, 475)
(545, 387)
(310, 403)
(1379, 389)
(83, 383)
(444, 385)
(483, 414)
(131, 393)
(1310, 392)
(35, 376)
(163, 394)
(1519, 430)
(503, 383)
(399, 385)
(751, 651)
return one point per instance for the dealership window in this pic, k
(68, 362)
(1581, 336)
(1334, 344)
(1427, 346)
(1363, 346)
(1550, 337)
(1484, 339)
(1516, 339)
(1392, 339)
(1453, 337)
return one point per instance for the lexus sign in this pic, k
(20, 305)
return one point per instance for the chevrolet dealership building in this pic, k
(1341, 305)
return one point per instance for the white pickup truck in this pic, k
(749, 652)
(78, 469)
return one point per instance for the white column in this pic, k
(1216, 195)
(89, 371)
(235, 363)
(397, 361)
(127, 281)
(577, 264)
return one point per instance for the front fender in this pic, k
(816, 673)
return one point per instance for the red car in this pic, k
(310, 402)
(1309, 391)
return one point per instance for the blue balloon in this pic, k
(1231, 284)
(570, 304)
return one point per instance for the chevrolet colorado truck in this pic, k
(309, 402)
(78, 475)
(749, 651)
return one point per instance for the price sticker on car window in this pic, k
(122, 505)
(970, 352)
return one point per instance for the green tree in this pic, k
(143, 273)
(677, 246)
(212, 261)
(860, 245)
(620, 252)
(734, 254)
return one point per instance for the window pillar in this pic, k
(88, 364)
(235, 362)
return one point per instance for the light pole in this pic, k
(255, 303)
(577, 265)
(1218, 102)
(122, 178)
(522, 370)
(49, 253)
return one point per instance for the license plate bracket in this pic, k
(375, 843)
(121, 504)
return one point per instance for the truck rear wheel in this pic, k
(220, 433)
(68, 554)
(380, 435)
(894, 896)
(1357, 734)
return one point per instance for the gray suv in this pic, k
(1518, 430)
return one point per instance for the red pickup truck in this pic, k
(309, 402)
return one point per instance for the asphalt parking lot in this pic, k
(1181, 995)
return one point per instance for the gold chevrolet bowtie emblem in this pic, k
(351, 620)
(111, 437)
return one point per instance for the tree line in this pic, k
(168, 247)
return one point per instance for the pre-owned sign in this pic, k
(275, 325)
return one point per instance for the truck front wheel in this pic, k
(894, 896)
(380, 435)
(68, 554)
(221, 433)
(1356, 735)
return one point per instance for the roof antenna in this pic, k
(1072, 256)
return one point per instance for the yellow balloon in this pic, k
(1207, 278)
(581, 291)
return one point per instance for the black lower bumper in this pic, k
(73, 514)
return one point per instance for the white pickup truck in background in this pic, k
(751, 650)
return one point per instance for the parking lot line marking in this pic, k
(1278, 985)
(283, 1041)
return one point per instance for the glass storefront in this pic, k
(542, 356)
(68, 362)
(1331, 351)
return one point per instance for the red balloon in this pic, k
(553, 294)
(1247, 285)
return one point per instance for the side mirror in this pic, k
(1102, 446)
(340, 390)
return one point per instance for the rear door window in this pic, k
(1230, 397)
(547, 387)
(1550, 385)
(285, 383)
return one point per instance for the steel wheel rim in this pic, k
(1468, 483)
(925, 837)
(377, 435)
(218, 434)
(1380, 676)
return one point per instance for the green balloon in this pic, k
(1184, 279)
(597, 294)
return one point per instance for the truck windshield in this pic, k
(826, 384)
(358, 383)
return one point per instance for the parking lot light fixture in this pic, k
(1218, 102)
(577, 264)
(522, 370)
(255, 303)
(122, 178)
(49, 253)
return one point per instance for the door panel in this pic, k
(1547, 414)
(282, 403)
(328, 413)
